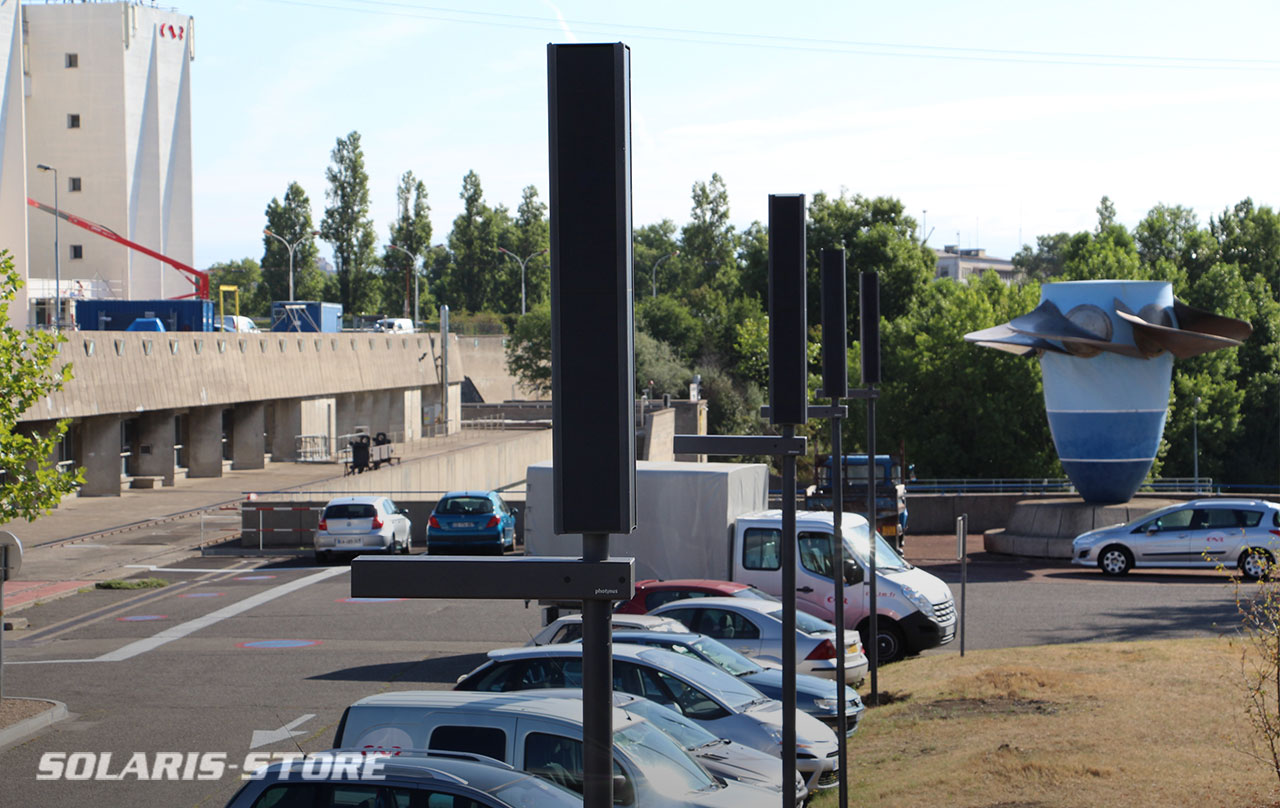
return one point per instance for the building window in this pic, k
(73, 121)
(73, 60)
(73, 183)
(77, 251)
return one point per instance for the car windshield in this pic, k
(667, 767)
(887, 558)
(725, 657)
(751, 593)
(685, 731)
(734, 692)
(349, 510)
(460, 506)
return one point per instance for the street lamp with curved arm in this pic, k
(57, 257)
(291, 248)
(522, 262)
(655, 269)
(413, 267)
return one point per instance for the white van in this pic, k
(541, 734)
(237, 322)
(396, 325)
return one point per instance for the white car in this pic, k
(753, 628)
(722, 703)
(1205, 533)
(541, 733)
(569, 627)
(362, 524)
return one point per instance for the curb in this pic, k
(26, 728)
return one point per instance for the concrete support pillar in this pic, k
(100, 456)
(285, 427)
(379, 407)
(345, 414)
(204, 442)
(404, 416)
(247, 450)
(155, 445)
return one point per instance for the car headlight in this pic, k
(918, 600)
(827, 704)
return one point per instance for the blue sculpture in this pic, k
(1107, 364)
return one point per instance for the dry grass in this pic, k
(1120, 724)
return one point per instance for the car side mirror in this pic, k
(623, 793)
(1152, 530)
(852, 573)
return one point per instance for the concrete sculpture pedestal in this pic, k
(1044, 528)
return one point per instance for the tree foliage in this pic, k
(529, 349)
(246, 276)
(30, 482)
(474, 244)
(290, 220)
(411, 232)
(348, 228)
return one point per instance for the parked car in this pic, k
(1234, 533)
(754, 628)
(652, 593)
(362, 524)
(816, 696)
(541, 734)
(409, 780)
(723, 704)
(474, 522)
(719, 756)
(569, 627)
(236, 322)
(395, 325)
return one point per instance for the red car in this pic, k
(652, 593)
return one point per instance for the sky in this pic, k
(992, 121)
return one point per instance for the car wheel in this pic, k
(407, 547)
(1115, 560)
(891, 646)
(323, 558)
(1255, 564)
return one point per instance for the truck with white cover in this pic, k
(711, 520)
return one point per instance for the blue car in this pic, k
(814, 695)
(472, 522)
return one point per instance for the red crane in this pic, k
(198, 279)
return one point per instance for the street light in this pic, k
(290, 248)
(413, 267)
(655, 269)
(1195, 445)
(57, 258)
(522, 262)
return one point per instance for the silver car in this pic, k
(362, 524)
(1203, 533)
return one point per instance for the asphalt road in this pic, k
(174, 670)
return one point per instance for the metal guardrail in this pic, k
(1047, 485)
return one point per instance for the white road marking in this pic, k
(177, 632)
(262, 737)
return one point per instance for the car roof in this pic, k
(683, 583)
(1228, 503)
(637, 619)
(560, 703)
(366, 499)
(466, 494)
(625, 651)
(741, 604)
(421, 765)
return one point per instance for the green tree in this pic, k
(474, 245)
(528, 236)
(1108, 253)
(246, 276)
(1173, 246)
(667, 319)
(1250, 236)
(348, 228)
(529, 349)
(291, 221)
(650, 244)
(30, 483)
(411, 232)
(1045, 261)
(708, 248)
(657, 363)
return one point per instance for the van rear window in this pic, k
(487, 741)
(350, 510)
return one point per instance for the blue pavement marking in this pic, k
(138, 618)
(277, 644)
(368, 600)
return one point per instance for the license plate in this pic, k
(889, 530)
(855, 648)
(464, 524)
(354, 541)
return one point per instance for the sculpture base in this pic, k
(1044, 528)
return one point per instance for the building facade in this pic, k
(108, 105)
(962, 264)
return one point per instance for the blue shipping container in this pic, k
(306, 315)
(117, 315)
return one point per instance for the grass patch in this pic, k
(131, 583)
(1095, 724)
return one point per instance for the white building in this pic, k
(108, 105)
(13, 153)
(962, 264)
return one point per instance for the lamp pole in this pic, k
(1195, 445)
(57, 256)
(413, 267)
(522, 262)
(655, 270)
(291, 248)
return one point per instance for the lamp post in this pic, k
(655, 269)
(291, 248)
(413, 267)
(522, 262)
(57, 257)
(1195, 445)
